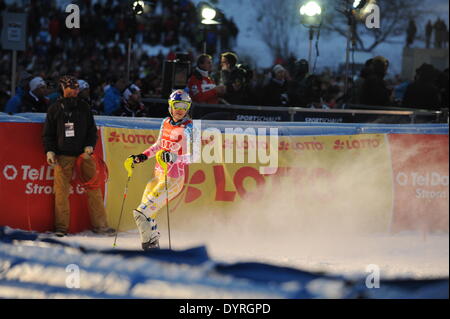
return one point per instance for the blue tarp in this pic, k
(188, 273)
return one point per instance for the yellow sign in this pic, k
(328, 178)
(120, 143)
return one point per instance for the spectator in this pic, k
(53, 92)
(228, 61)
(399, 91)
(35, 99)
(275, 92)
(237, 90)
(113, 96)
(440, 33)
(363, 75)
(411, 33)
(85, 92)
(202, 87)
(14, 103)
(297, 86)
(374, 90)
(443, 80)
(153, 84)
(132, 105)
(70, 131)
(236, 79)
(423, 92)
(54, 27)
(331, 96)
(313, 94)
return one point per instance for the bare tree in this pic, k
(394, 18)
(278, 25)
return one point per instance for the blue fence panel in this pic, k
(284, 128)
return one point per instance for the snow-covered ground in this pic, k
(234, 267)
(408, 255)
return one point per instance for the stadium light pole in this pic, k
(311, 17)
(138, 9)
(352, 7)
(208, 14)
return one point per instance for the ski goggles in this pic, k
(180, 105)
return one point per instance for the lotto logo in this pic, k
(356, 144)
(115, 137)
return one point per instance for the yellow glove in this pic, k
(129, 165)
(160, 159)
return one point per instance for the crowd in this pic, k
(440, 31)
(436, 34)
(97, 52)
(291, 84)
(96, 55)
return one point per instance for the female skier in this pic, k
(173, 146)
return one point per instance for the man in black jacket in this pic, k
(276, 91)
(374, 90)
(69, 132)
(423, 93)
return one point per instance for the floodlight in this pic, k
(311, 9)
(359, 4)
(208, 13)
(311, 14)
(138, 7)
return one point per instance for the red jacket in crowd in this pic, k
(202, 88)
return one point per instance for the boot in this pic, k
(147, 230)
(153, 244)
(107, 231)
(60, 233)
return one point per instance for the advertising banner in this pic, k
(369, 182)
(338, 176)
(14, 31)
(420, 175)
(26, 182)
(120, 143)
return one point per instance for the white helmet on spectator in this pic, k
(36, 83)
(83, 85)
(129, 91)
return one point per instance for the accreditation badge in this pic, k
(69, 129)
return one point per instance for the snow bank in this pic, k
(37, 266)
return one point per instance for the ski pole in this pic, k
(164, 166)
(167, 206)
(129, 167)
